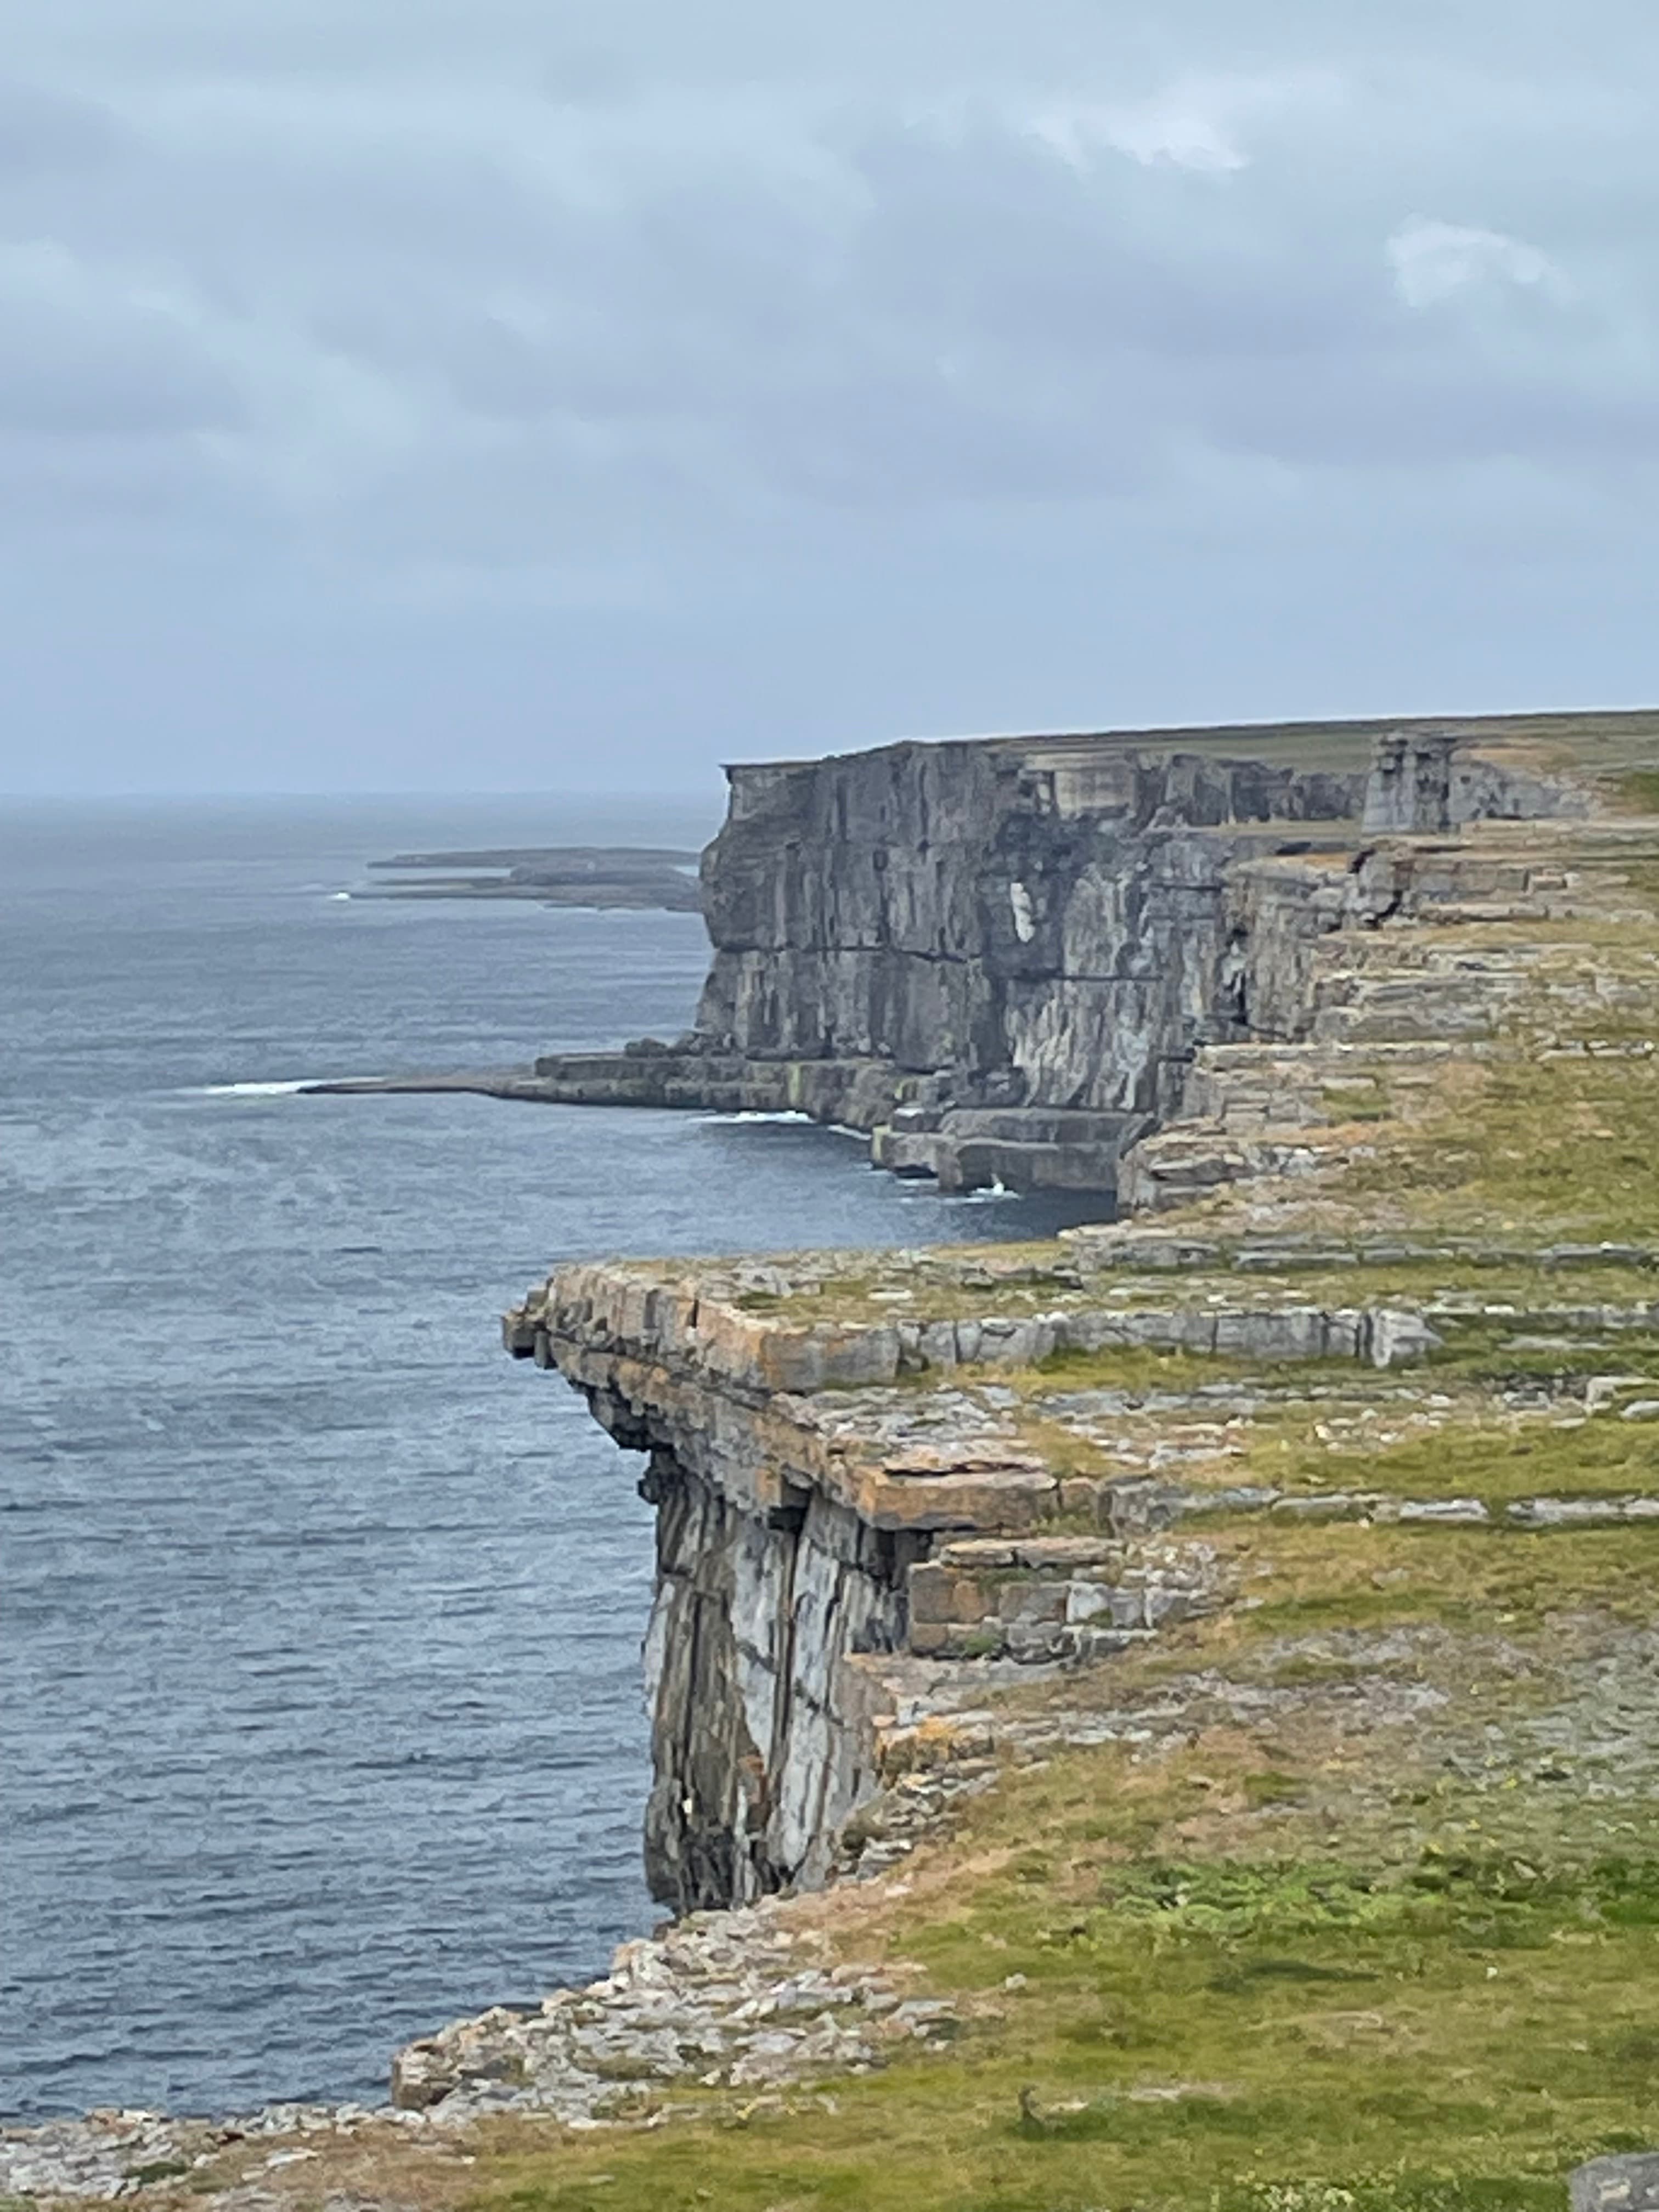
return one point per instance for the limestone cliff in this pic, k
(852, 1505)
(1208, 966)
(1044, 924)
(1001, 957)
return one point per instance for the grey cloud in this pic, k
(745, 251)
(81, 358)
(375, 289)
(43, 129)
(94, 491)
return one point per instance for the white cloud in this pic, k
(1170, 130)
(1434, 261)
(1200, 124)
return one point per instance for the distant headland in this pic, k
(645, 877)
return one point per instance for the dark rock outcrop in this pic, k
(1039, 926)
(1427, 780)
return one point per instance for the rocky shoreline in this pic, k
(744, 2000)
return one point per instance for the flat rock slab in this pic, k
(1617, 2185)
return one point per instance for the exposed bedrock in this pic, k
(768, 1585)
(1039, 928)
(861, 1519)
(1014, 961)
(1001, 957)
(822, 1524)
(759, 1755)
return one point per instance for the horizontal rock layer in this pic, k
(839, 1491)
(1002, 958)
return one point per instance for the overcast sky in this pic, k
(507, 394)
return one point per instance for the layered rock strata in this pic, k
(1001, 957)
(1430, 952)
(844, 1481)
(839, 1496)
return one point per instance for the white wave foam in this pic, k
(340, 894)
(260, 1090)
(730, 1120)
(920, 1189)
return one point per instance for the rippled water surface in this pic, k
(319, 1619)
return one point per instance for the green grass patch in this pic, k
(1263, 2037)
(1251, 1974)
(1563, 1145)
(1486, 1456)
(1637, 790)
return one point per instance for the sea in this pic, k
(319, 1616)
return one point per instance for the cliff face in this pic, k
(1038, 928)
(757, 1737)
(1002, 957)
(779, 1557)
(845, 1505)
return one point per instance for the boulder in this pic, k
(1629, 2183)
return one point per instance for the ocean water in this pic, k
(319, 1618)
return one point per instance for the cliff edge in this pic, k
(1175, 1705)
(1000, 956)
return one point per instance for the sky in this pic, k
(506, 395)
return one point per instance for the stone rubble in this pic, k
(749, 1999)
(116, 2153)
(740, 1999)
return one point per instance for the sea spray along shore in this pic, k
(1200, 1672)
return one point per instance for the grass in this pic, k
(1637, 790)
(1440, 1429)
(1359, 1911)
(1340, 1930)
(1473, 1182)
(1568, 1146)
(1424, 2063)
(1181, 2031)
(1306, 1959)
(1496, 1464)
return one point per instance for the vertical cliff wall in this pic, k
(759, 1745)
(1001, 957)
(782, 1557)
(1036, 927)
